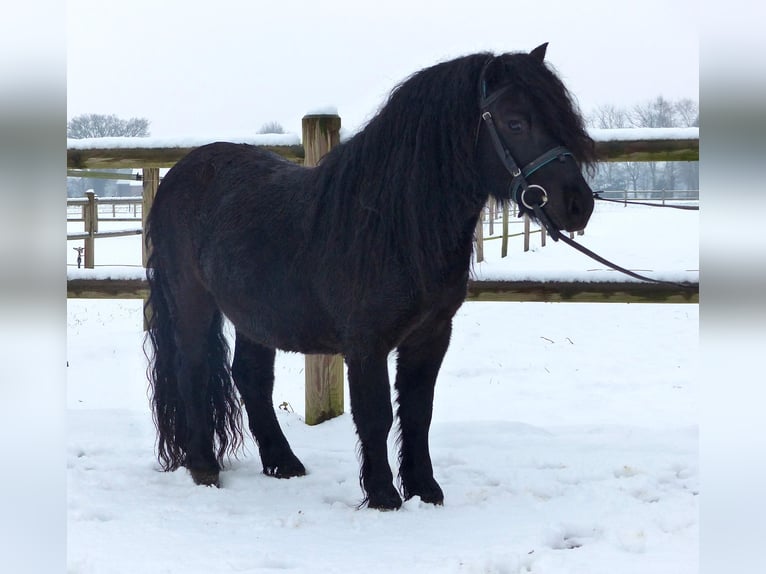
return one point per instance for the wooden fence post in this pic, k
(151, 181)
(504, 245)
(324, 373)
(492, 211)
(480, 238)
(91, 227)
(526, 232)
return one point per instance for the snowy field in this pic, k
(565, 438)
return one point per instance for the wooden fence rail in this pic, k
(526, 291)
(324, 383)
(628, 148)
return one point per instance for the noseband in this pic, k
(532, 196)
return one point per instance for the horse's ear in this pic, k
(539, 52)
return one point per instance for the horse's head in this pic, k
(532, 142)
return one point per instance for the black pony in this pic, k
(366, 253)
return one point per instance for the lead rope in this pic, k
(556, 235)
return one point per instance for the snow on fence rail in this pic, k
(614, 145)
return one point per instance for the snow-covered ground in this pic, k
(564, 436)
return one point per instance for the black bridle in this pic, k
(521, 188)
(532, 196)
(519, 185)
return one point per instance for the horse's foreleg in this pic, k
(253, 371)
(373, 416)
(418, 363)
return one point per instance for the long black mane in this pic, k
(415, 162)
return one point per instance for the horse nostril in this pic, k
(575, 207)
(579, 207)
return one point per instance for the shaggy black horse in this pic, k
(366, 253)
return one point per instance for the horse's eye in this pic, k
(516, 126)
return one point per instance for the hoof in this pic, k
(430, 493)
(388, 500)
(287, 470)
(436, 500)
(205, 477)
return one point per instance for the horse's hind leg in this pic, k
(253, 371)
(193, 371)
(208, 405)
(418, 362)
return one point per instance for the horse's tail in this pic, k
(169, 419)
(222, 403)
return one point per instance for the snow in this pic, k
(115, 272)
(327, 110)
(181, 142)
(636, 134)
(564, 436)
(628, 134)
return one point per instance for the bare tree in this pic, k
(100, 125)
(609, 175)
(97, 126)
(657, 113)
(608, 116)
(687, 113)
(271, 128)
(633, 172)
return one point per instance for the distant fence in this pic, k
(90, 210)
(504, 216)
(109, 208)
(492, 215)
(661, 196)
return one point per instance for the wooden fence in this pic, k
(324, 375)
(109, 208)
(90, 217)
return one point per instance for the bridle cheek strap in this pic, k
(519, 185)
(505, 156)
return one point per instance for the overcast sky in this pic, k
(202, 68)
